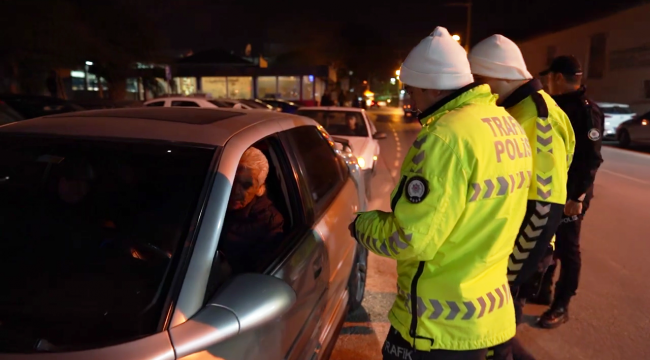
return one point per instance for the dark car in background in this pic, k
(22, 107)
(286, 106)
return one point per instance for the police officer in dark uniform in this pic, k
(564, 83)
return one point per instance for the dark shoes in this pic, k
(554, 317)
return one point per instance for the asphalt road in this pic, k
(610, 316)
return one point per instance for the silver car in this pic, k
(111, 231)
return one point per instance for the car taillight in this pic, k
(607, 116)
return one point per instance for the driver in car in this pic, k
(253, 226)
(352, 128)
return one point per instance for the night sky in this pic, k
(233, 23)
(374, 37)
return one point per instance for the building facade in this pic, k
(614, 52)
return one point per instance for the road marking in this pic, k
(396, 163)
(626, 177)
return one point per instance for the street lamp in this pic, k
(467, 5)
(456, 37)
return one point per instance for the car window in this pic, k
(339, 123)
(185, 104)
(157, 103)
(91, 233)
(254, 233)
(320, 164)
(220, 103)
(8, 115)
(617, 110)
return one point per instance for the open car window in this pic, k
(91, 232)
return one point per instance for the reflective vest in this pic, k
(459, 204)
(551, 136)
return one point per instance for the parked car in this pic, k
(115, 249)
(634, 132)
(363, 139)
(615, 115)
(259, 104)
(286, 106)
(22, 107)
(199, 100)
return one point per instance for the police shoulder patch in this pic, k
(417, 189)
(594, 134)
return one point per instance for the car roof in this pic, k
(208, 126)
(332, 108)
(606, 104)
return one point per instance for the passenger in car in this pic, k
(253, 226)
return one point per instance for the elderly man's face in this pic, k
(244, 189)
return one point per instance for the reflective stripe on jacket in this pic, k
(553, 141)
(458, 207)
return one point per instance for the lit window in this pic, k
(267, 86)
(308, 87)
(240, 87)
(289, 87)
(215, 86)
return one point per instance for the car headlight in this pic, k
(362, 163)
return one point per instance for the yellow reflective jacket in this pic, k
(551, 136)
(458, 207)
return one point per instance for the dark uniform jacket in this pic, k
(588, 124)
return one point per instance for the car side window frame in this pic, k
(320, 206)
(299, 218)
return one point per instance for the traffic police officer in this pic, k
(564, 83)
(498, 62)
(459, 203)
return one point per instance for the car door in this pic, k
(300, 261)
(334, 197)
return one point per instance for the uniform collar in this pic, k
(522, 93)
(451, 101)
(578, 93)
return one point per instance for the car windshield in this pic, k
(222, 104)
(617, 110)
(91, 234)
(256, 105)
(338, 123)
(36, 107)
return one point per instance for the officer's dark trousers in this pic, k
(567, 251)
(396, 348)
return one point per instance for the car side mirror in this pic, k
(342, 145)
(247, 302)
(379, 135)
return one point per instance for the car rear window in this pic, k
(616, 110)
(91, 234)
(338, 122)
